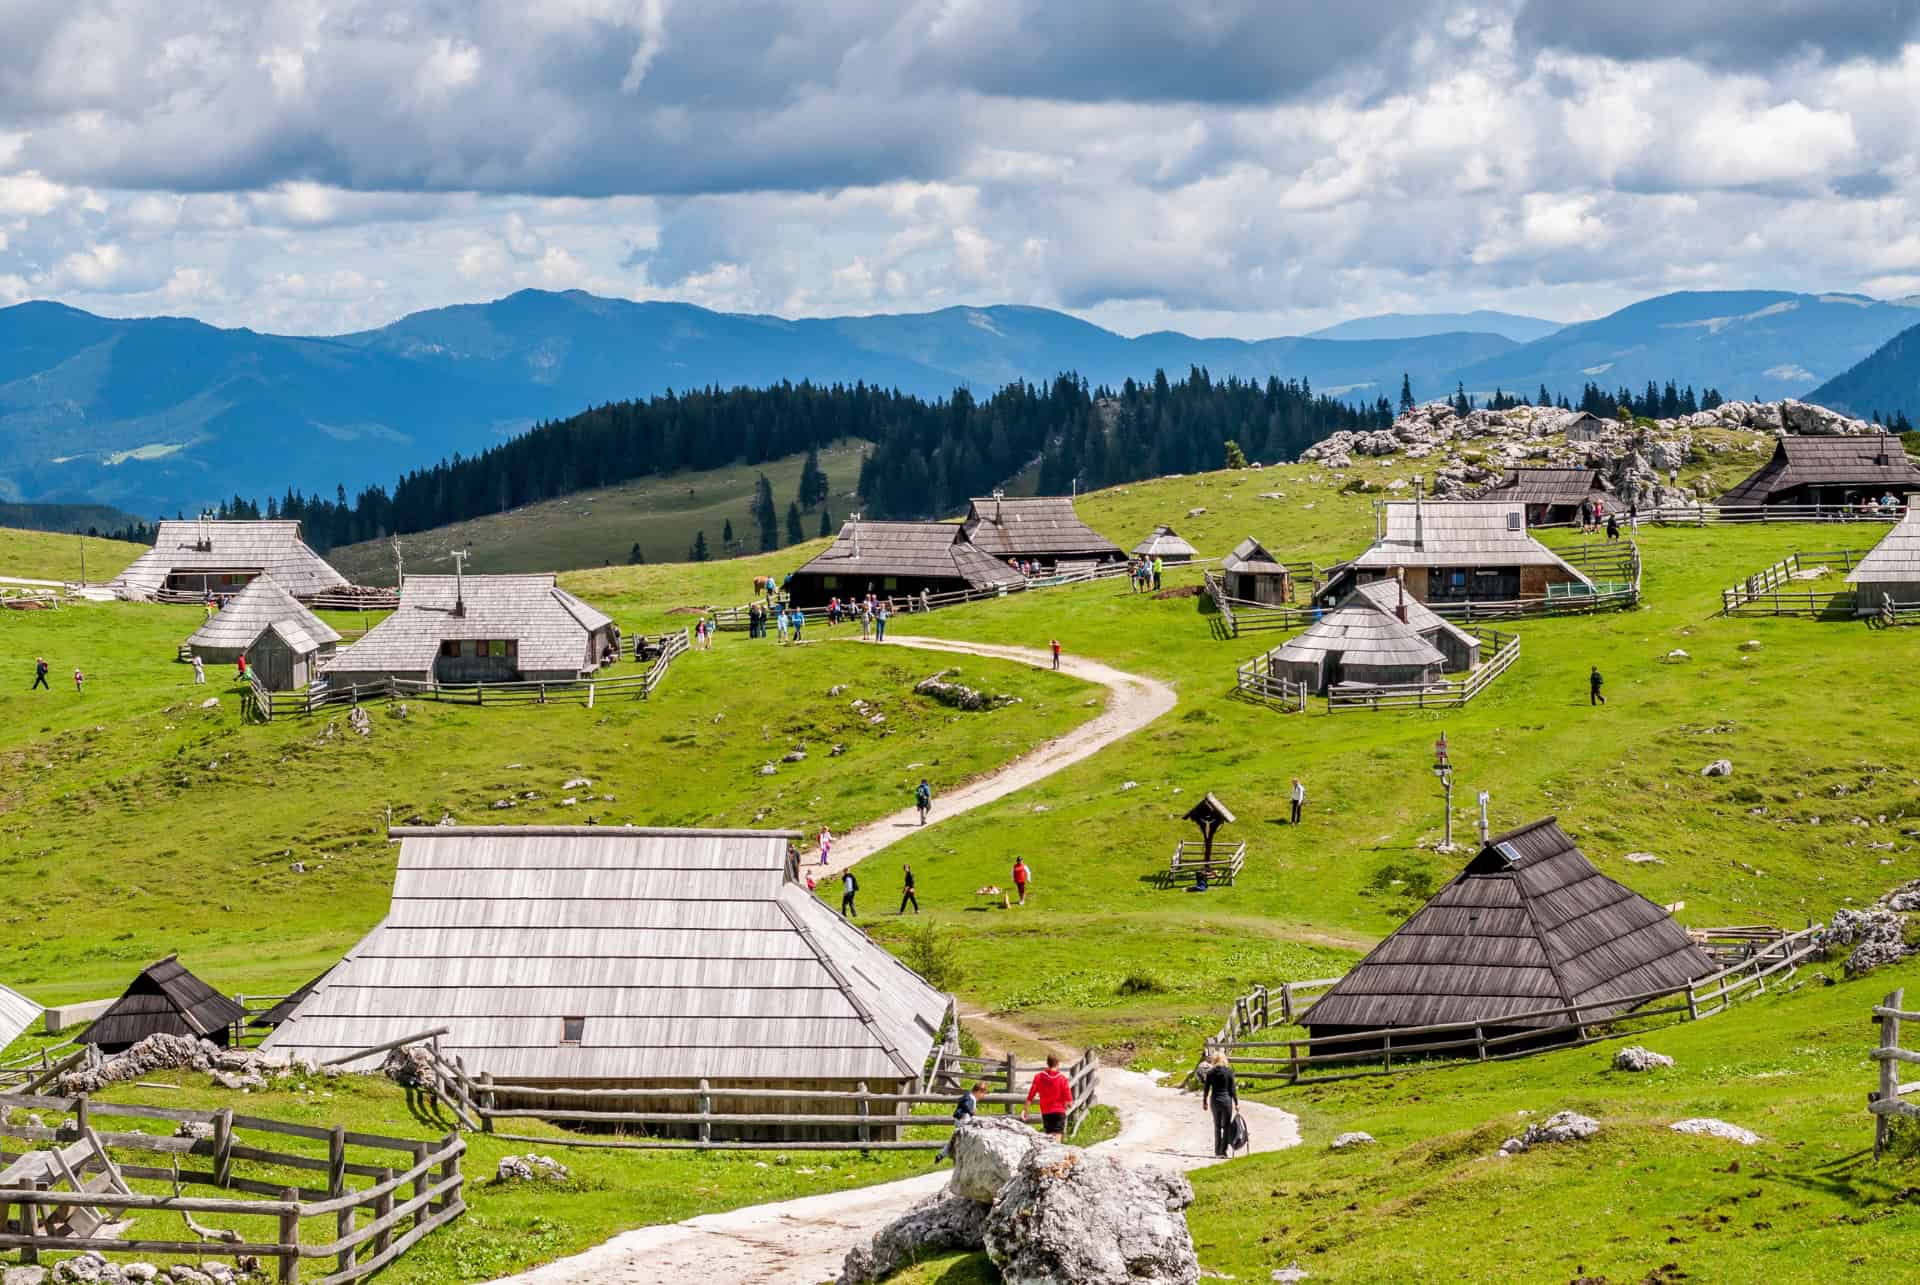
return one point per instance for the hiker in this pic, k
(780, 623)
(906, 893)
(880, 624)
(826, 844)
(240, 665)
(1613, 526)
(1156, 573)
(40, 680)
(866, 623)
(1593, 688)
(926, 599)
(1220, 1095)
(1021, 874)
(79, 681)
(848, 886)
(964, 1110)
(1055, 645)
(1055, 1092)
(793, 861)
(1297, 799)
(923, 799)
(207, 606)
(199, 672)
(799, 619)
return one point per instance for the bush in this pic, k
(932, 954)
(1138, 984)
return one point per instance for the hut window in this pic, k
(450, 647)
(830, 582)
(497, 649)
(890, 582)
(572, 1029)
(1513, 521)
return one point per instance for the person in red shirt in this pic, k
(1020, 876)
(1055, 644)
(1055, 1092)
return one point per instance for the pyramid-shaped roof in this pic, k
(1895, 560)
(164, 999)
(17, 1013)
(1528, 925)
(1250, 557)
(688, 953)
(1165, 542)
(262, 548)
(256, 608)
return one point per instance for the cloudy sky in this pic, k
(1246, 167)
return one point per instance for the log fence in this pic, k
(1735, 515)
(901, 604)
(33, 1212)
(1764, 593)
(1885, 1102)
(1498, 652)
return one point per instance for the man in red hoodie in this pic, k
(1055, 1092)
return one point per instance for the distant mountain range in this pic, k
(156, 415)
(1886, 383)
(1415, 325)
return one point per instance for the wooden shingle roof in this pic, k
(1459, 533)
(281, 1011)
(1363, 634)
(1250, 557)
(164, 999)
(688, 953)
(550, 624)
(1896, 559)
(1034, 526)
(17, 1013)
(923, 550)
(259, 606)
(1547, 486)
(1873, 462)
(1528, 925)
(272, 548)
(1163, 543)
(1390, 597)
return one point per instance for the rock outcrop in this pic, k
(1561, 1126)
(1877, 936)
(1071, 1217)
(229, 1068)
(942, 1224)
(1635, 1058)
(1708, 1128)
(987, 1151)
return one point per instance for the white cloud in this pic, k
(29, 194)
(450, 65)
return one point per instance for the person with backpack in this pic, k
(848, 886)
(1593, 688)
(923, 799)
(1055, 1092)
(1221, 1096)
(964, 1110)
(906, 891)
(40, 681)
(1021, 874)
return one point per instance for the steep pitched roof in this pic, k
(1446, 533)
(1364, 635)
(924, 550)
(272, 548)
(1043, 526)
(17, 1013)
(688, 952)
(1896, 559)
(1528, 925)
(1163, 543)
(164, 999)
(1874, 462)
(1547, 486)
(1249, 557)
(550, 624)
(281, 1011)
(1386, 596)
(262, 604)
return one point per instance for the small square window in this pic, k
(572, 1029)
(890, 582)
(1513, 521)
(450, 647)
(830, 582)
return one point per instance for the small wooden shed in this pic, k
(1891, 571)
(283, 641)
(1166, 545)
(165, 999)
(1251, 574)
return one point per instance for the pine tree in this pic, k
(765, 516)
(795, 532)
(698, 553)
(1545, 398)
(1461, 405)
(814, 486)
(634, 556)
(826, 522)
(726, 534)
(1236, 458)
(1406, 394)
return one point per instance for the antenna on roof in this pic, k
(460, 557)
(203, 533)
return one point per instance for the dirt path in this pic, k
(1132, 703)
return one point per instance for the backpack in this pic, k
(1238, 1138)
(923, 794)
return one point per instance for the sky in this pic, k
(1229, 167)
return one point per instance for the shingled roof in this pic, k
(259, 606)
(1874, 463)
(270, 548)
(1363, 635)
(921, 550)
(1457, 533)
(550, 624)
(1250, 558)
(1555, 486)
(688, 953)
(1034, 526)
(1528, 925)
(165, 999)
(1895, 560)
(1165, 544)
(17, 1013)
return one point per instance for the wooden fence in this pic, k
(1498, 652)
(406, 1198)
(1885, 1102)
(1255, 680)
(1237, 614)
(357, 599)
(1366, 1053)
(1764, 593)
(1723, 515)
(736, 618)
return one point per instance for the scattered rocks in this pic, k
(946, 1223)
(360, 721)
(1751, 644)
(768, 769)
(1643, 859)
(836, 751)
(1676, 655)
(1194, 513)
(987, 1151)
(1719, 767)
(1561, 1126)
(577, 783)
(250, 1067)
(211, 702)
(1353, 1139)
(794, 756)
(194, 1129)
(298, 867)
(958, 695)
(1635, 1058)
(1291, 1274)
(1709, 1128)
(1070, 1216)
(1877, 935)
(837, 689)
(531, 1168)
(23, 1276)
(410, 1067)
(1130, 785)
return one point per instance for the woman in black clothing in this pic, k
(1222, 1097)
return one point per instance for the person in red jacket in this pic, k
(1055, 1092)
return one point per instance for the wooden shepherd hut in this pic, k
(1587, 428)
(595, 956)
(17, 1013)
(1166, 545)
(284, 1009)
(1377, 637)
(1830, 471)
(896, 559)
(1552, 496)
(1039, 528)
(201, 558)
(1529, 925)
(165, 999)
(478, 629)
(1451, 552)
(284, 643)
(1891, 570)
(1251, 574)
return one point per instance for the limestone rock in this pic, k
(410, 1067)
(1635, 1058)
(1561, 1126)
(1072, 1217)
(577, 783)
(530, 1167)
(987, 1151)
(140, 1273)
(1719, 767)
(1353, 1139)
(944, 1224)
(794, 756)
(957, 695)
(1709, 1128)
(1644, 859)
(1876, 935)
(155, 1053)
(23, 1276)
(768, 769)
(211, 702)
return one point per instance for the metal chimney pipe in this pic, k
(1400, 606)
(1419, 518)
(459, 583)
(997, 497)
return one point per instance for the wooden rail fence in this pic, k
(1885, 1102)
(1722, 515)
(901, 604)
(1764, 594)
(420, 1190)
(1498, 652)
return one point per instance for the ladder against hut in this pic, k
(1200, 860)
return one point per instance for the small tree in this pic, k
(765, 516)
(1236, 458)
(634, 556)
(698, 553)
(814, 486)
(826, 522)
(1406, 394)
(931, 953)
(795, 532)
(726, 533)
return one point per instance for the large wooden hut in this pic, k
(1167, 545)
(1377, 637)
(606, 957)
(1037, 528)
(284, 643)
(1251, 574)
(1528, 926)
(478, 629)
(165, 999)
(1828, 470)
(202, 558)
(17, 1013)
(1891, 570)
(1552, 496)
(896, 559)
(1451, 552)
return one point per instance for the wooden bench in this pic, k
(1190, 862)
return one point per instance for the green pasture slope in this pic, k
(50, 555)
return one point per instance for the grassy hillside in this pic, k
(591, 528)
(48, 555)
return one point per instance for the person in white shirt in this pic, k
(1298, 796)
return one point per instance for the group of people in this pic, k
(1144, 573)
(41, 670)
(1052, 1088)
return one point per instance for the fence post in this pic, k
(223, 1147)
(421, 1182)
(486, 1100)
(1889, 1068)
(706, 1109)
(1480, 1041)
(30, 1228)
(1011, 1070)
(1693, 1005)
(382, 1214)
(866, 1134)
(449, 1168)
(1286, 1002)
(290, 1238)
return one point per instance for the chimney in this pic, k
(1400, 606)
(459, 584)
(998, 496)
(1419, 519)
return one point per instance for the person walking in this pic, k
(40, 681)
(240, 666)
(848, 886)
(1054, 645)
(826, 844)
(964, 1110)
(866, 623)
(1156, 573)
(923, 799)
(1593, 687)
(880, 623)
(1296, 799)
(1055, 1092)
(79, 682)
(199, 672)
(799, 619)
(1220, 1095)
(1021, 875)
(1613, 527)
(783, 623)
(906, 891)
